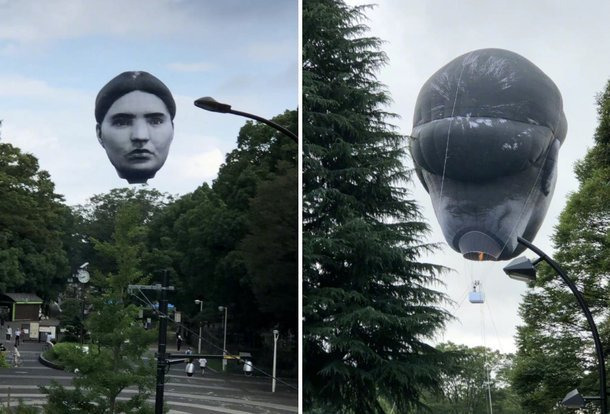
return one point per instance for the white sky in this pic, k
(569, 41)
(56, 55)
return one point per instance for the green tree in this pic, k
(270, 249)
(216, 236)
(113, 360)
(367, 302)
(555, 350)
(464, 382)
(259, 185)
(195, 235)
(95, 221)
(32, 227)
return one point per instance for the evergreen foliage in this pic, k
(368, 306)
(555, 349)
(113, 360)
(464, 382)
(235, 244)
(33, 232)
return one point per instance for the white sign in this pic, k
(33, 330)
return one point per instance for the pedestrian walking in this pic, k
(178, 342)
(190, 368)
(16, 357)
(9, 333)
(248, 367)
(203, 363)
(17, 336)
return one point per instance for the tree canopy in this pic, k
(555, 348)
(367, 302)
(114, 359)
(33, 227)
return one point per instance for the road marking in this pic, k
(151, 401)
(178, 395)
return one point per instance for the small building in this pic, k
(20, 306)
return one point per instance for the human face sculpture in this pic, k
(136, 133)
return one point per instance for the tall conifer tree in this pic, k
(368, 305)
(555, 350)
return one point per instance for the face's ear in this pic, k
(549, 169)
(98, 133)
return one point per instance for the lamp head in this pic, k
(521, 269)
(197, 301)
(573, 399)
(221, 308)
(210, 104)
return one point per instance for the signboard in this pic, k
(33, 330)
(49, 330)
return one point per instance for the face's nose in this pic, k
(139, 130)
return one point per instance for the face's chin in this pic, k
(137, 170)
(136, 176)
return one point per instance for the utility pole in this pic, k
(162, 344)
(161, 350)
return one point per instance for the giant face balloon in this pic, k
(134, 114)
(486, 134)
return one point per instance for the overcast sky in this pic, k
(569, 41)
(56, 55)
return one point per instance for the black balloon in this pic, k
(486, 134)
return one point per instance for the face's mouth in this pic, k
(139, 154)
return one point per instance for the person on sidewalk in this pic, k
(16, 357)
(178, 342)
(17, 336)
(202, 364)
(190, 368)
(248, 367)
(9, 333)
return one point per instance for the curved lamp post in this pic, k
(200, 303)
(523, 269)
(276, 334)
(224, 342)
(210, 104)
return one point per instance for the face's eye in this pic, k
(121, 121)
(156, 120)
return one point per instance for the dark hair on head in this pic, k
(128, 82)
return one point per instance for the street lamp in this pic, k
(224, 342)
(523, 269)
(574, 399)
(276, 334)
(83, 277)
(210, 104)
(200, 303)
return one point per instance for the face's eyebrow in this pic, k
(122, 115)
(155, 115)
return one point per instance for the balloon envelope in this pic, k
(486, 134)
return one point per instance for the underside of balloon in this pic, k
(487, 131)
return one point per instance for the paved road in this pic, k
(212, 394)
